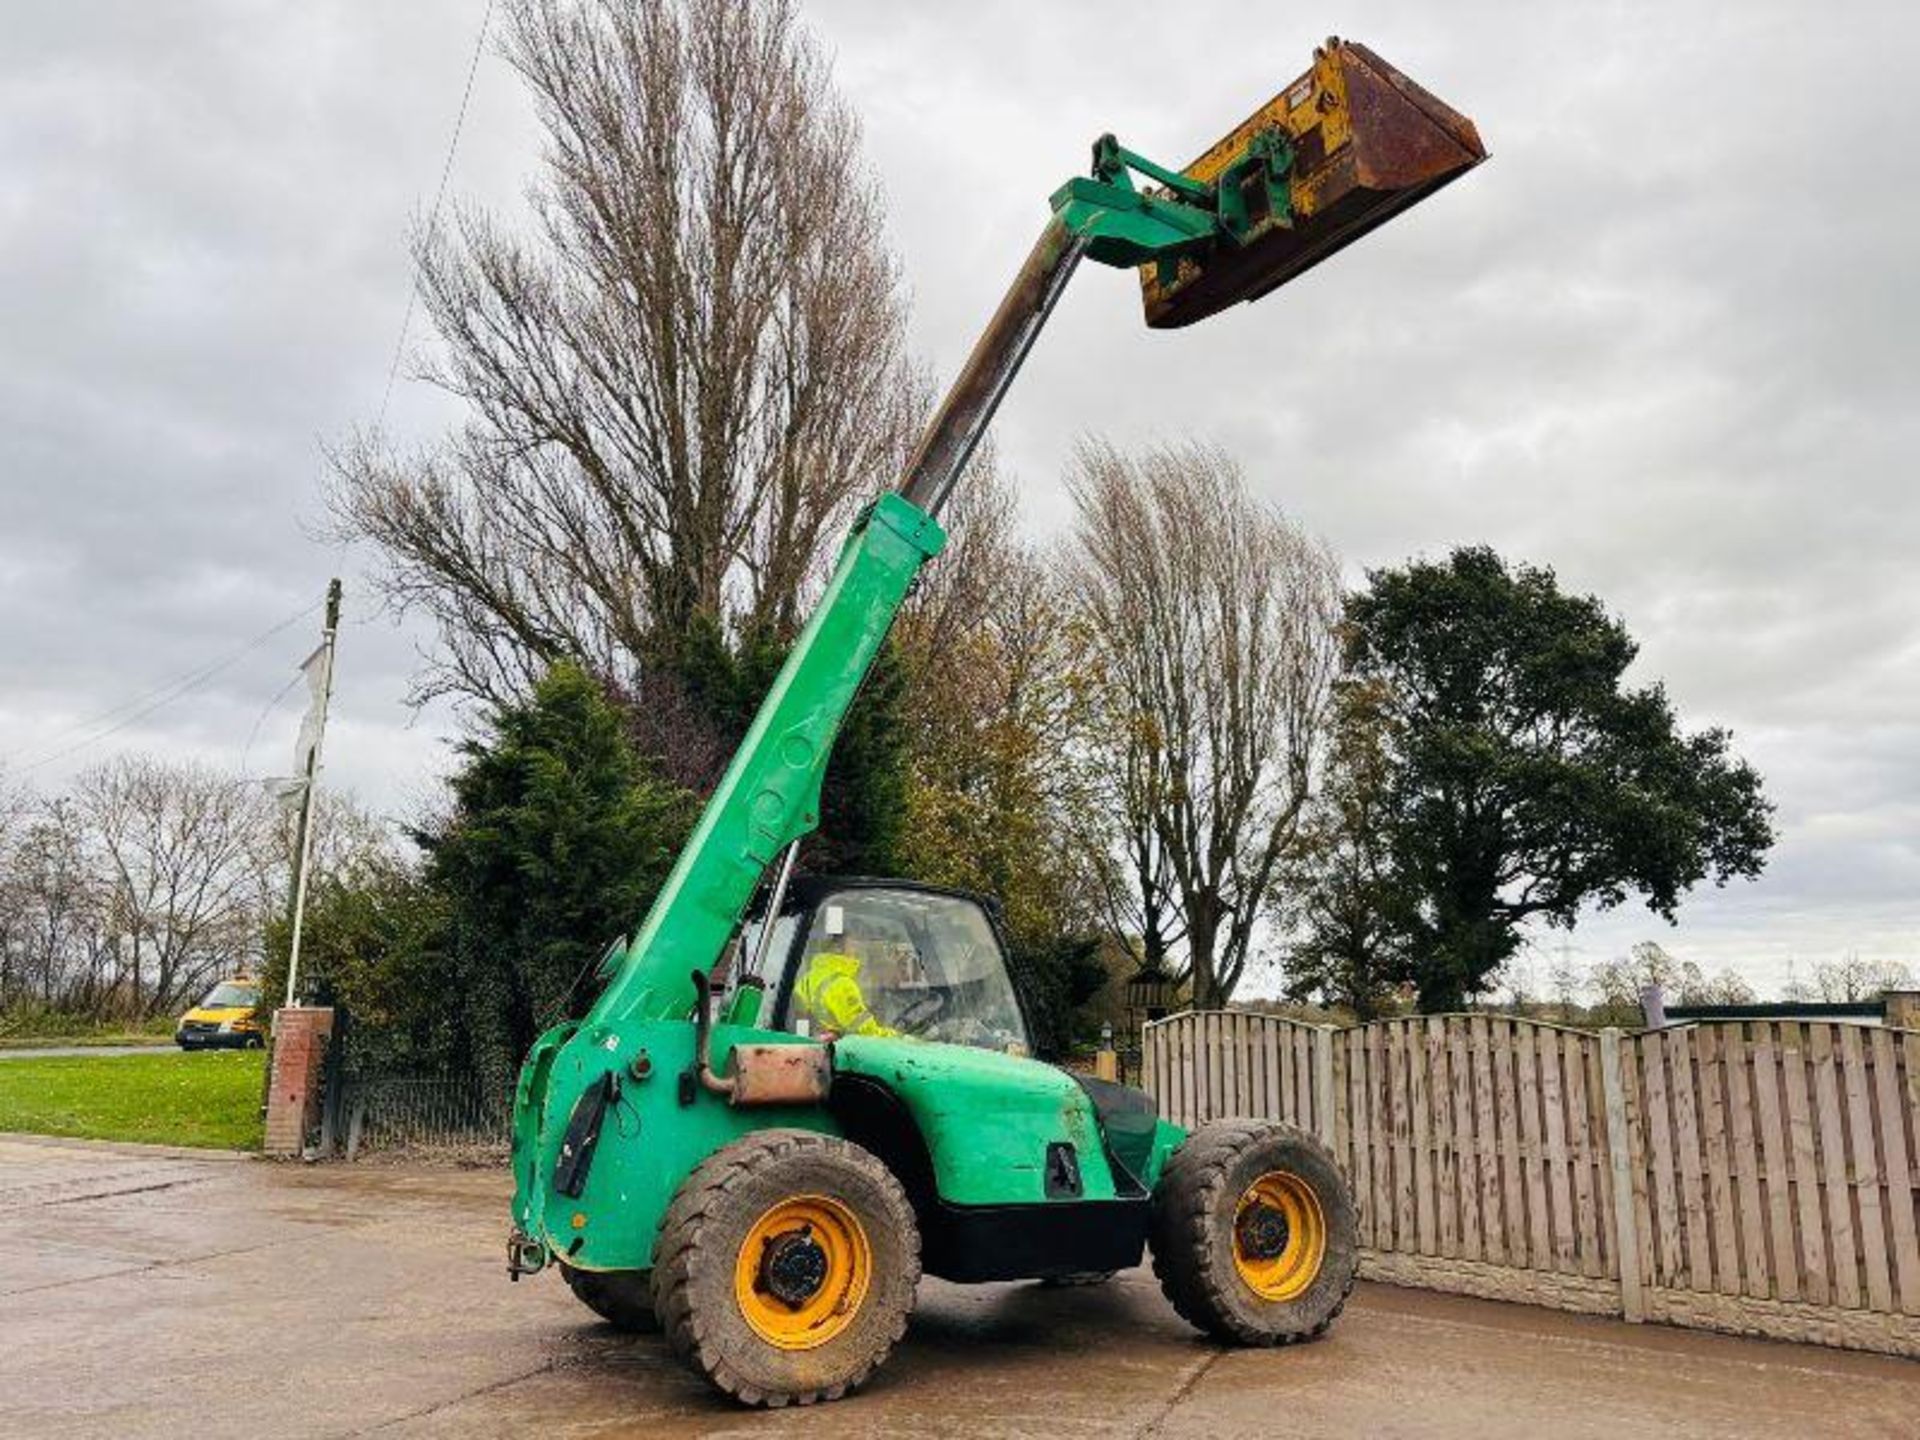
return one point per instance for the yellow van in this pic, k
(224, 1018)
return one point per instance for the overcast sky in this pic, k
(1663, 342)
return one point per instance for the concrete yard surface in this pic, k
(151, 1292)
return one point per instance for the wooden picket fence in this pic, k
(1758, 1177)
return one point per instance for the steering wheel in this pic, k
(920, 1012)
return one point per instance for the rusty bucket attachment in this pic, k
(1365, 142)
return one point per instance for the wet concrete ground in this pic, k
(155, 1293)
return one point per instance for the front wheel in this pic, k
(1254, 1233)
(786, 1267)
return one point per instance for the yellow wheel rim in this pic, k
(1279, 1236)
(802, 1272)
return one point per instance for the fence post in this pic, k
(356, 1125)
(1323, 1107)
(333, 1080)
(1626, 1235)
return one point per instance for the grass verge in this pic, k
(22, 1029)
(97, 1038)
(209, 1100)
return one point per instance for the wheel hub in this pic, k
(794, 1268)
(1264, 1232)
(802, 1270)
(1279, 1236)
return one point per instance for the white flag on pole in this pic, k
(314, 667)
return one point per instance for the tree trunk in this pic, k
(1440, 995)
(1202, 941)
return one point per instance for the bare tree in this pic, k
(56, 905)
(1114, 811)
(953, 597)
(1210, 621)
(1620, 981)
(1853, 979)
(1727, 987)
(991, 707)
(15, 815)
(126, 896)
(681, 387)
(1126, 858)
(183, 853)
(1567, 979)
(347, 839)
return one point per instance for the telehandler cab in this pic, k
(793, 1095)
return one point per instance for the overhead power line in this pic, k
(144, 704)
(140, 706)
(433, 215)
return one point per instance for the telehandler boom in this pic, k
(764, 1168)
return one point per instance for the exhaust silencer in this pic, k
(1366, 143)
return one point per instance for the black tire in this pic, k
(622, 1298)
(714, 1215)
(1192, 1232)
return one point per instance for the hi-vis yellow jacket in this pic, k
(829, 991)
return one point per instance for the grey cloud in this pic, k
(1662, 342)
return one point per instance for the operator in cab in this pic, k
(833, 987)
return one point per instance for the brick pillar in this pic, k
(300, 1036)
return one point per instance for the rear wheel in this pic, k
(1254, 1233)
(786, 1267)
(622, 1298)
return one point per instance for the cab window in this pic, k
(229, 995)
(903, 962)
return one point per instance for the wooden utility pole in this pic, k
(303, 847)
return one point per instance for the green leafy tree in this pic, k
(559, 840)
(1057, 974)
(375, 943)
(691, 708)
(1528, 781)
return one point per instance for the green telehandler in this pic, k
(794, 1094)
